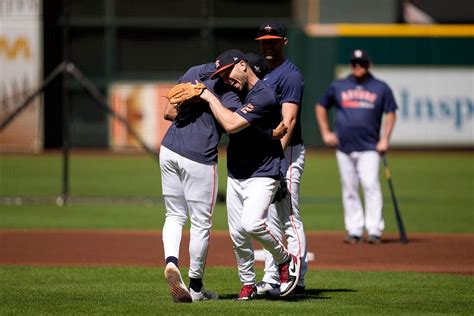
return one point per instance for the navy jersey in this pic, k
(359, 110)
(288, 83)
(195, 133)
(250, 152)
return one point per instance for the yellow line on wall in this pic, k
(389, 30)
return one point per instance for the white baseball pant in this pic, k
(361, 168)
(247, 206)
(188, 186)
(284, 218)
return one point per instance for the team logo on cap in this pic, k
(218, 63)
(235, 58)
(268, 28)
(358, 53)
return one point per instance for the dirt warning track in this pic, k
(442, 253)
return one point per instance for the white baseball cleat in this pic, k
(265, 287)
(203, 295)
(179, 291)
(289, 275)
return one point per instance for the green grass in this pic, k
(143, 291)
(90, 175)
(435, 192)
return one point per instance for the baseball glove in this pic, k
(183, 92)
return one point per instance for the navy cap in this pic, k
(359, 55)
(228, 59)
(257, 63)
(271, 30)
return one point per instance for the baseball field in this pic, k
(102, 253)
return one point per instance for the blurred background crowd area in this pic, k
(132, 50)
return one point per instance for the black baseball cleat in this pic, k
(289, 275)
(353, 239)
(374, 240)
(298, 293)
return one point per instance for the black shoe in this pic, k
(298, 292)
(352, 239)
(374, 240)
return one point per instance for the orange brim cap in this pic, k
(221, 69)
(264, 37)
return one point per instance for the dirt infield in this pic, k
(442, 253)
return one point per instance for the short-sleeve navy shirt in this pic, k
(288, 83)
(195, 133)
(250, 153)
(359, 110)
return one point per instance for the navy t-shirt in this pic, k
(195, 133)
(288, 83)
(359, 110)
(250, 152)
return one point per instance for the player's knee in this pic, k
(202, 223)
(371, 186)
(177, 219)
(251, 227)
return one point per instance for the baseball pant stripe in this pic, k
(276, 239)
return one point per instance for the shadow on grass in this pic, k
(311, 294)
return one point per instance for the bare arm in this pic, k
(280, 131)
(329, 138)
(230, 121)
(170, 112)
(289, 112)
(382, 145)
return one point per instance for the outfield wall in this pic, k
(431, 71)
(130, 51)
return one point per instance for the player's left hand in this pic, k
(382, 146)
(279, 131)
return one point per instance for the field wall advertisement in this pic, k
(21, 73)
(435, 104)
(142, 105)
